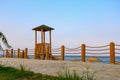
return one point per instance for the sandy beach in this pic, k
(51, 67)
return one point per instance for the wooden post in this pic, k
(44, 46)
(35, 38)
(42, 41)
(18, 53)
(42, 36)
(26, 53)
(11, 53)
(112, 53)
(62, 51)
(83, 52)
(35, 53)
(47, 53)
(50, 38)
(22, 54)
(35, 44)
(7, 53)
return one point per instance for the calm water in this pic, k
(105, 59)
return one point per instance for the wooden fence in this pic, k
(20, 53)
(83, 50)
(112, 49)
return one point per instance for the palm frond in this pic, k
(1, 48)
(1, 34)
(4, 40)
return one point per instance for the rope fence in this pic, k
(97, 46)
(117, 44)
(82, 50)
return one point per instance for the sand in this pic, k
(52, 67)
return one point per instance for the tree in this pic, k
(4, 40)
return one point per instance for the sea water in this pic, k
(104, 58)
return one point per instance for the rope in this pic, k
(15, 51)
(30, 49)
(55, 53)
(117, 49)
(31, 53)
(97, 50)
(97, 53)
(117, 52)
(97, 46)
(72, 53)
(56, 49)
(117, 44)
(72, 48)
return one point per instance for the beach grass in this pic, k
(67, 74)
(10, 73)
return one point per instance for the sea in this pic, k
(104, 58)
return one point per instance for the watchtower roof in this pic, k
(44, 27)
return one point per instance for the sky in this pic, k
(92, 22)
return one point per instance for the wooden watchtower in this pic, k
(40, 47)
